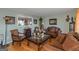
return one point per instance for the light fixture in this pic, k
(67, 18)
(6, 18)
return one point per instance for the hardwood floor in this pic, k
(31, 47)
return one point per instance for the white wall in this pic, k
(61, 22)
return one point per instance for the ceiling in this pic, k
(36, 12)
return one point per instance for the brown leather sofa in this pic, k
(70, 43)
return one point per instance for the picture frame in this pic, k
(21, 21)
(53, 21)
(28, 21)
(10, 19)
(35, 21)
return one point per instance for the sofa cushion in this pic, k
(75, 34)
(48, 47)
(70, 43)
(62, 38)
(58, 41)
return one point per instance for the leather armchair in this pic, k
(53, 31)
(16, 37)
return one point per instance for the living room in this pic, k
(48, 17)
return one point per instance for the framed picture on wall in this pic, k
(21, 21)
(53, 21)
(35, 21)
(10, 19)
(28, 21)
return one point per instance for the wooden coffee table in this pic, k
(38, 41)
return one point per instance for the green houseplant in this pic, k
(40, 21)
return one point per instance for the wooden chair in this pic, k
(16, 37)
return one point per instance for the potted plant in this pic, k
(40, 21)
